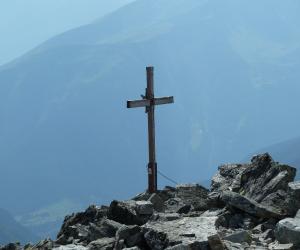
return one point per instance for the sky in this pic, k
(24, 24)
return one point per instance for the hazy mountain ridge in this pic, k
(65, 125)
(11, 231)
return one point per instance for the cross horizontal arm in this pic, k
(138, 103)
(147, 102)
(163, 100)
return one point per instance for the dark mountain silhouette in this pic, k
(65, 131)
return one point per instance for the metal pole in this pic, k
(152, 166)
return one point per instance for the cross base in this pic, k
(152, 177)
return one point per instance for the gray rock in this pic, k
(215, 242)
(156, 240)
(193, 195)
(176, 205)
(157, 202)
(249, 206)
(71, 247)
(11, 246)
(144, 208)
(186, 230)
(88, 233)
(288, 231)
(239, 237)
(46, 244)
(276, 246)
(294, 197)
(102, 244)
(131, 235)
(92, 214)
(228, 178)
(125, 213)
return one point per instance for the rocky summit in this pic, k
(249, 206)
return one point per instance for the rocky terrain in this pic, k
(249, 206)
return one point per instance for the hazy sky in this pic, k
(26, 23)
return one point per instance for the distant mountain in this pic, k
(11, 231)
(65, 132)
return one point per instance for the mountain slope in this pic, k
(65, 130)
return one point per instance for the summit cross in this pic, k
(149, 101)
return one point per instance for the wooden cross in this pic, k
(149, 102)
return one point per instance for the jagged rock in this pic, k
(249, 206)
(144, 207)
(128, 212)
(174, 205)
(71, 247)
(11, 246)
(239, 237)
(157, 202)
(156, 240)
(266, 182)
(102, 244)
(193, 195)
(91, 214)
(215, 242)
(276, 246)
(186, 230)
(294, 197)
(228, 178)
(132, 235)
(263, 181)
(46, 244)
(288, 230)
(88, 233)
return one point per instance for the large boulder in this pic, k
(263, 181)
(130, 212)
(250, 206)
(288, 231)
(88, 233)
(185, 231)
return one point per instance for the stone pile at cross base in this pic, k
(249, 206)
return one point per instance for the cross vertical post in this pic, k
(152, 166)
(149, 101)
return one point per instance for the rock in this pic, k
(102, 244)
(228, 178)
(91, 214)
(88, 233)
(186, 230)
(264, 177)
(235, 246)
(131, 235)
(249, 206)
(294, 197)
(193, 195)
(46, 244)
(288, 231)
(156, 240)
(215, 242)
(275, 246)
(263, 181)
(173, 205)
(239, 237)
(157, 202)
(11, 246)
(144, 207)
(71, 247)
(124, 213)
